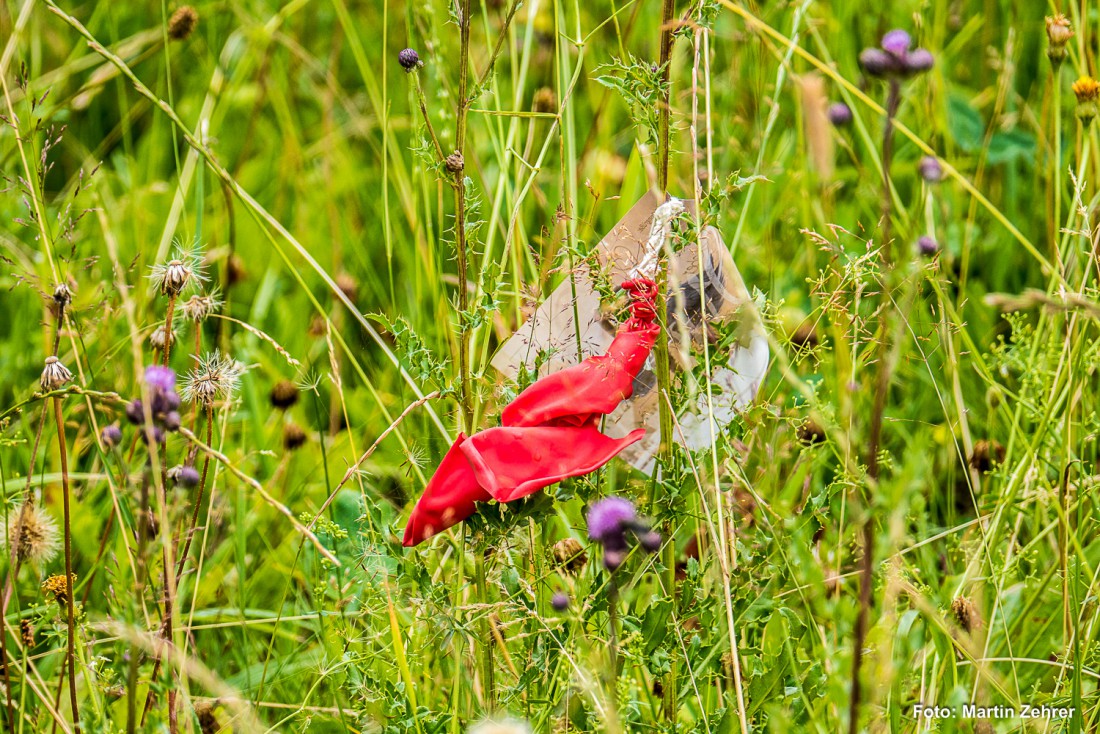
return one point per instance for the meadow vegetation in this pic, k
(258, 255)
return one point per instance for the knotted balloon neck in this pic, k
(643, 308)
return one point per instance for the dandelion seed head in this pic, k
(33, 535)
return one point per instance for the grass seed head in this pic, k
(569, 555)
(966, 614)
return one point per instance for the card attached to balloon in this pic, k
(695, 312)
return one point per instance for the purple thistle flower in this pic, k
(839, 114)
(897, 42)
(610, 518)
(160, 378)
(927, 246)
(930, 169)
(560, 601)
(135, 412)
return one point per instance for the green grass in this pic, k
(286, 141)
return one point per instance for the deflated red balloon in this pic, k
(549, 431)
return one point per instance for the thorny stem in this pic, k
(467, 412)
(664, 379)
(69, 600)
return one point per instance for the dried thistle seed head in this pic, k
(348, 285)
(455, 162)
(184, 271)
(811, 433)
(215, 378)
(569, 555)
(33, 535)
(56, 586)
(293, 436)
(409, 59)
(199, 307)
(966, 614)
(160, 338)
(986, 455)
(182, 23)
(26, 632)
(234, 270)
(208, 722)
(805, 336)
(1059, 31)
(284, 395)
(544, 101)
(62, 295)
(54, 375)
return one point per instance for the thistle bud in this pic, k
(560, 601)
(1058, 34)
(455, 163)
(930, 169)
(839, 114)
(184, 476)
(111, 436)
(409, 59)
(927, 246)
(54, 375)
(650, 541)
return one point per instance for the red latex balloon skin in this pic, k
(549, 431)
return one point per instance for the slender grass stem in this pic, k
(67, 531)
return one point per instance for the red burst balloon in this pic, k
(548, 433)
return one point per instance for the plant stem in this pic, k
(69, 601)
(139, 590)
(467, 410)
(485, 636)
(893, 100)
(168, 328)
(664, 377)
(182, 560)
(882, 388)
